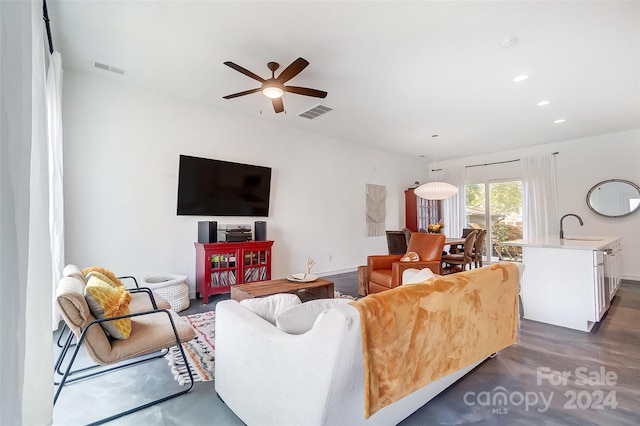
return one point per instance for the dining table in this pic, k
(455, 244)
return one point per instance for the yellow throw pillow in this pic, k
(104, 278)
(106, 301)
(103, 271)
(410, 256)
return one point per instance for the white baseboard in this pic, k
(631, 278)
(337, 271)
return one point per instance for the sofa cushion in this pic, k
(106, 301)
(410, 256)
(301, 318)
(416, 276)
(269, 307)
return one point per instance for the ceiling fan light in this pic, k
(436, 190)
(273, 92)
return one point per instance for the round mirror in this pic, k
(614, 198)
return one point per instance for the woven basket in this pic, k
(174, 288)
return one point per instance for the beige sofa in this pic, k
(331, 375)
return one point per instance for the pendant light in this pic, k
(435, 190)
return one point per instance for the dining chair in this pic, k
(462, 259)
(397, 242)
(478, 246)
(467, 231)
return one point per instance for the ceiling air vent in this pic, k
(105, 67)
(314, 112)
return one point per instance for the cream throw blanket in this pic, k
(415, 334)
(376, 212)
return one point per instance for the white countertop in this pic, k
(583, 242)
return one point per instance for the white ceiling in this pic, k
(396, 72)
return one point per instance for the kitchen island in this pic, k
(569, 282)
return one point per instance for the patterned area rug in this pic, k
(200, 351)
(338, 295)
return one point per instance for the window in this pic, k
(429, 211)
(497, 206)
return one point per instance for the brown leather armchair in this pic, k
(384, 272)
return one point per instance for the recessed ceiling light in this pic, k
(509, 41)
(543, 103)
(520, 78)
(561, 120)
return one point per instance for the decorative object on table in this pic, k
(375, 209)
(310, 263)
(172, 287)
(200, 351)
(435, 228)
(307, 277)
(302, 278)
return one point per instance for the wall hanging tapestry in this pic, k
(375, 209)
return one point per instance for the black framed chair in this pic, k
(142, 298)
(152, 332)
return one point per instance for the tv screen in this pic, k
(209, 187)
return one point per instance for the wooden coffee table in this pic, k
(318, 289)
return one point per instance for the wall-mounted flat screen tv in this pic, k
(209, 187)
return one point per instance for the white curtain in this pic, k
(453, 208)
(56, 200)
(540, 202)
(26, 343)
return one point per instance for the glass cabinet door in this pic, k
(223, 269)
(255, 265)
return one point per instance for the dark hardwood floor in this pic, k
(554, 376)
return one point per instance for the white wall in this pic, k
(580, 164)
(121, 172)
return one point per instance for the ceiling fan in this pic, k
(274, 87)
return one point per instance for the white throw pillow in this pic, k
(300, 318)
(269, 307)
(416, 276)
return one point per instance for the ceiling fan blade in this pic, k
(305, 91)
(293, 70)
(246, 92)
(244, 71)
(278, 106)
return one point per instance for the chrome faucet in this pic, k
(569, 214)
